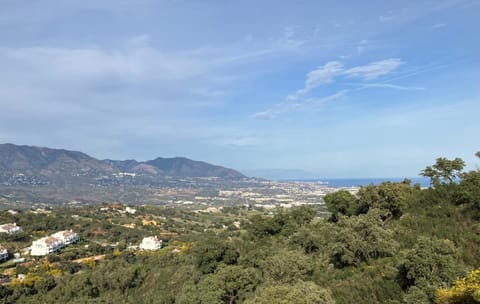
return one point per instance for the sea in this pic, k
(355, 182)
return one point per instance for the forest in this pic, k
(389, 243)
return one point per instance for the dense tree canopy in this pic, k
(388, 243)
(299, 293)
(342, 202)
(359, 239)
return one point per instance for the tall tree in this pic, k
(444, 171)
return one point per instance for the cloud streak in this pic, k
(437, 26)
(375, 69)
(290, 106)
(327, 74)
(389, 86)
(322, 75)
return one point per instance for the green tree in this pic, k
(287, 266)
(444, 171)
(307, 240)
(428, 265)
(261, 226)
(302, 215)
(359, 239)
(468, 191)
(387, 196)
(299, 293)
(229, 284)
(45, 284)
(341, 202)
(210, 251)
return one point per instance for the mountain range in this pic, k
(39, 165)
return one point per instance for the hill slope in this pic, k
(46, 165)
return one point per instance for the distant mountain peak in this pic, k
(59, 165)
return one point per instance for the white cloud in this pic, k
(362, 46)
(374, 69)
(139, 41)
(385, 18)
(327, 74)
(241, 141)
(389, 86)
(289, 106)
(290, 39)
(320, 76)
(310, 103)
(393, 15)
(438, 26)
(266, 115)
(107, 93)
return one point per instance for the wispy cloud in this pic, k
(290, 106)
(327, 74)
(385, 18)
(361, 46)
(375, 69)
(393, 15)
(438, 25)
(320, 76)
(387, 86)
(290, 39)
(241, 141)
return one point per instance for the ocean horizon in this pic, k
(355, 182)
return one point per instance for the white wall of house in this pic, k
(10, 228)
(151, 243)
(66, 236)
(46, 246)
(3, 254)
(53, 243)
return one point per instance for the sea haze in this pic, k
(353, 182)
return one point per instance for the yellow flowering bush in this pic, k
(464, 290)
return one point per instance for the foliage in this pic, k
(284, 223)
(387, 196)
(444, 171)
(228, 284)
(428, 265)
(306, 239)
(468, 191)
(359, 239)
(390, 243)
(341, 202)
(286, 266)
(464, 290)
(210, 251)
(299, 293)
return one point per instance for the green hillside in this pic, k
(389, 243)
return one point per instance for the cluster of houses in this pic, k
(53, 243)
(61, 239)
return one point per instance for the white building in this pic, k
(151, 243)
(130, 210)
(46, 245)
(67, 236)
(53, 243)
(3, 253)
(10, 228)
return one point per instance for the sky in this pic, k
(302, 89)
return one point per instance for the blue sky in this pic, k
(320, 88)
